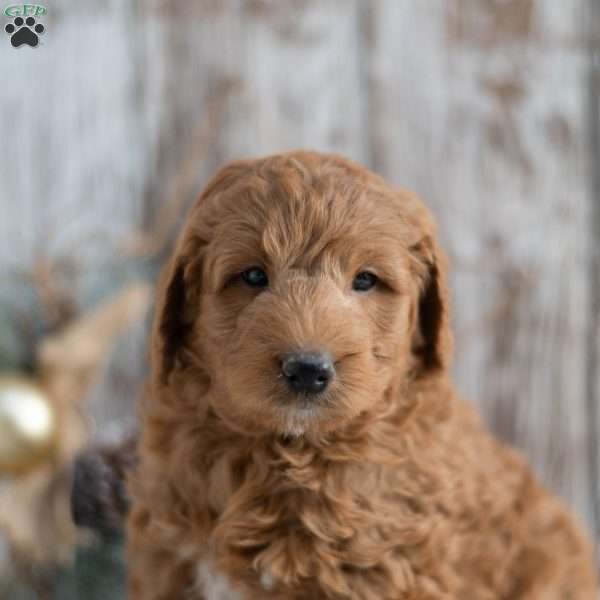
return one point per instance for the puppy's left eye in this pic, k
(255, 277)
(364, 281)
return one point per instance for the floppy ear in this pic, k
(175, 308)
(170, 328)
(432, 342)
(178, 300)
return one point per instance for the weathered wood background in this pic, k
(488, 108)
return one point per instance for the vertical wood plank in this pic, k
(291, 71)
(302, 78)
(480, 108)
(71, 166)
(593, 362)
(70, 156)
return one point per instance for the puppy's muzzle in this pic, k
(307, 372)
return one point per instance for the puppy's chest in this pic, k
(214, 584)
(301, 536)
(309, 551)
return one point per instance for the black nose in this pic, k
(307, 372)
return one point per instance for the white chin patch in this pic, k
(297, 419)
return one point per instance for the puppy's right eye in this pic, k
(255, 277)
(364, 281)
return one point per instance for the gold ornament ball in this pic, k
(27, 425)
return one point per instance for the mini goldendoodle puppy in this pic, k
(301, 438)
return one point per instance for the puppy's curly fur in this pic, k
(385, 486)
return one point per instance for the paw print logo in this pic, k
(24, 31)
